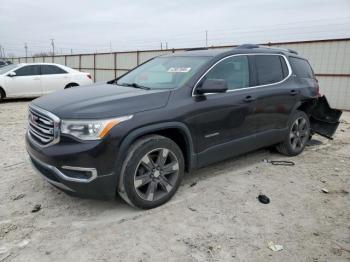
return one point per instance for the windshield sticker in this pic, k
(179, 69)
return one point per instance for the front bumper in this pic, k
(76, 168)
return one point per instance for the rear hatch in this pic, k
(324, 120)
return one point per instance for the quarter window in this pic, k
(234, 70)
(301, 67)
(269, 69)
(30, 70)
(51, 70)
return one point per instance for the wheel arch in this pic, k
(71, 84)
(3, 92)
(176, 131)
(305, 105)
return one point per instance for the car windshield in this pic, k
(5, 69)
(163, 72)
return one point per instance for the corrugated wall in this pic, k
(329, 58)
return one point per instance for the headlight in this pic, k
(90, 129)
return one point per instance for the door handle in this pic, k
(36, 78)
(293, 92)
(249, 99)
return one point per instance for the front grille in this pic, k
(43, 127)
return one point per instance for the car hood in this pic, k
(101, 101)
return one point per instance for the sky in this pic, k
(86, 26)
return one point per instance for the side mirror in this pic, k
(212, 86)
(11, 74)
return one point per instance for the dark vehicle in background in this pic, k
(138, 134)
(3, 63)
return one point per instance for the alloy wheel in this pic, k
(299, 133)
(156, 174)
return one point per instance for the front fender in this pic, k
(153, 128)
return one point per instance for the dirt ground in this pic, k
(215, 215)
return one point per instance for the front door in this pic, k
(26, 82)
(226, 119)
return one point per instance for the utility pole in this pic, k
(26, 49)
(161, 46)
(110, 46)
(1, 51)
(71, 51)
(166, 45)
(206, 38)
(53, 46)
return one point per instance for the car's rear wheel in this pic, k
(152, 172)
(298, 135)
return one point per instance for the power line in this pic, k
(231, 29)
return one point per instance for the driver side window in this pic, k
(234, 70)
(30, 70)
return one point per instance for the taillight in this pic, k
(89, 76)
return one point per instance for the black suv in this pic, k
(138, 134)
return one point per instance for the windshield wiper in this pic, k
(135, 85)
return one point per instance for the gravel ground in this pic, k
(215, 215)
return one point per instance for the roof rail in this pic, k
(292, 51)
(248, 46)
(251, 46)
(197, 49)
(282, 49)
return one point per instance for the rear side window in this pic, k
(301, 67)
(269, 69)
(30, 70)
(234, 70)
(51, 70)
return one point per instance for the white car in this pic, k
(37, 79)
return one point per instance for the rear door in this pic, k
(276, 92)
(53, 78)
(26, 82)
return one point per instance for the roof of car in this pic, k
(38, 63)
(242, 49)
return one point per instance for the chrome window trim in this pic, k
(238, 89)
(56, 130)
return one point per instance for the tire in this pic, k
(298, 135)
(148, 180)
(2, 95)
(71, 85)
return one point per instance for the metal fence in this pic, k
(330, 59)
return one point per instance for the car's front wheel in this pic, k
(152, 172)
(298, 135)
(2, 94)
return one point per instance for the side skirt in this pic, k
(240, 146)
